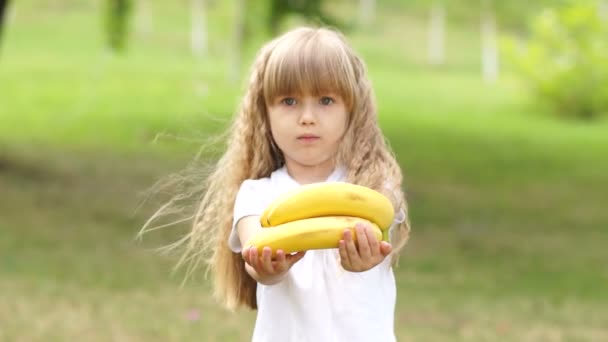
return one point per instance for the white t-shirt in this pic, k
(318, 300)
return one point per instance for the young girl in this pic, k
(307, 116)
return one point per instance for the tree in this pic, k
(117, 23)
(493, 16)
(311, 9)
(367, 9)
(198, 33)
(513, 15)
(238, 39)
(564, 61)
(603, 9)
(143, 18)
(489, 42)
(436, 33)
(3, 10)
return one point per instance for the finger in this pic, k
(266, 260)
(351, 249)
(385, 248)
(362, 242)
(253, 258)
(344, 259)
(280, 263)
(374, 245)
(245, 254)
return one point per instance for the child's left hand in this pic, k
(366, 253)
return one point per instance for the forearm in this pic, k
(264, 278)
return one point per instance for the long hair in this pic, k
(304, 60)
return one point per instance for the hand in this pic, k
(268, 270)
(367, 253)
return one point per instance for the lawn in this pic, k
(507, 204)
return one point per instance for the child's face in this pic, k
(308, 129)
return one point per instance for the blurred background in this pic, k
(497, 111)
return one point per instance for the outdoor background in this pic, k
(496, 110)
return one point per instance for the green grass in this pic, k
(507, 204)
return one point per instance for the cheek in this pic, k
(278, 133)
(274, 124)
(341, 124)
(277, 120)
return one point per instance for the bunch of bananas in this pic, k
(314, 216)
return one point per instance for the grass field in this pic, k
(507, 204)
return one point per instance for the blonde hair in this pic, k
(304, 60)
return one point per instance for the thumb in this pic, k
(385, 248)
(246, 254)
(292, 259)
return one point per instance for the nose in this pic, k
(307, 115)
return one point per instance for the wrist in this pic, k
(271, 279)
(265, 279)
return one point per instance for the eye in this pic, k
(326, 100)
(288, 101)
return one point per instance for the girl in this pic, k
(307, 116)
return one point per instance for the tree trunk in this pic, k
(603, 9)
(143, 18)
(436, 36)
(489, 45)
(367, 9)
(198, 34)
(117, 23)
(3, 11)
(238, 40)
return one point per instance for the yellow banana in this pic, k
(329, 199)
(306, 234)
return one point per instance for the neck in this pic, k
(306, 174)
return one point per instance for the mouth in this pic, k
(308, 137)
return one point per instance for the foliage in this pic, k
(117, 21)
(512, 15)
(565, 60)
(309, 9)
(3, 10)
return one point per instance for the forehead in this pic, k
(309, 66)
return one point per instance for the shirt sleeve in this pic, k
(400, 215)
(399, 218)
(249, 202)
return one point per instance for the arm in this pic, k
(263, 268)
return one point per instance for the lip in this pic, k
(308, 136)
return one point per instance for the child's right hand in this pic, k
(268, 270)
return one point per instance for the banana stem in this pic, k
(385, 235)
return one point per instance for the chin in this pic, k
(311, 162)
